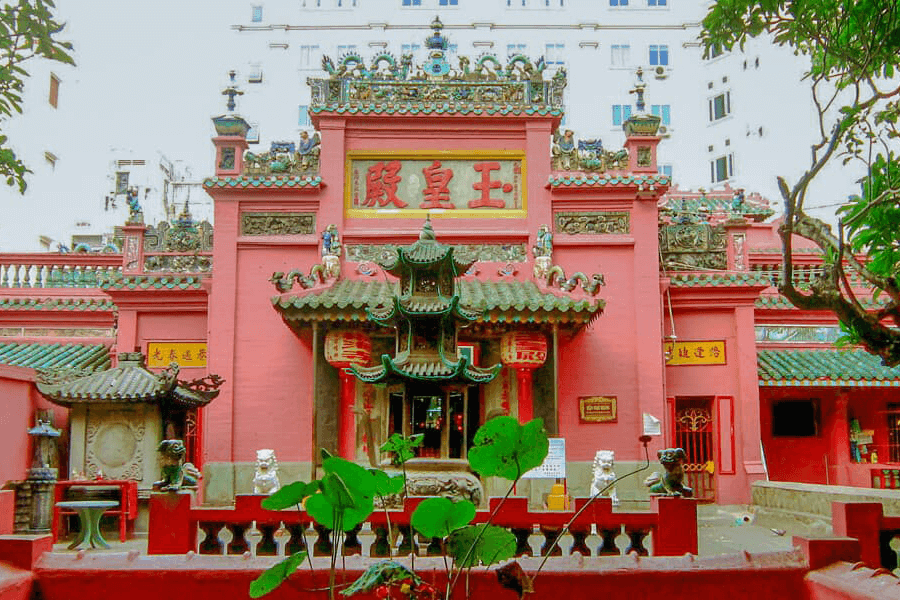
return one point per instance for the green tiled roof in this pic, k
(582, 180)
(824, 367)
(719, 279)
(158, 282)
(264, 182)
(60, 356)
(446, 109)
(128, 382)
(782, 303)
(504, 301)
(93, 304)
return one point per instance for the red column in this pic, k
(347, 419)
(171, 530)
(526, 402)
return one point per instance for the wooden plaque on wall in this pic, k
(597, 409)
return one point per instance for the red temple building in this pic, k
(436, 252)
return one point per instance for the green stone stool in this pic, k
(89, 513)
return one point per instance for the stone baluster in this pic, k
(54, 279)
(579, 535)
(297, 541)
(523, 547)
(636, 541)
(550, 536)
(351, 545)
(26, 276)
(267, 546)
(238, 543)
(211, 544)
(407, 541)
(322, 545)
(608, 538)
(90, 276)
(381, 546)
(15, 276)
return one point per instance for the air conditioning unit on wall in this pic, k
(664, 131)
(661, 72)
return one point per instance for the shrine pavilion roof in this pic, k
(499, 301)
(754, 207)
(158, 282)
(582, 180)
(44, 356)
(129, 382)
(76, 303)
(728, 279)
(403, 368)
(788, 367)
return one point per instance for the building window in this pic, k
(720, 106)
(345, 49)
(554, 54)
(122, 182)
(253, 134)
(795, 418)
(513, 49)
(659, 54)
(656, 2)
(620, 55)
(309, 57)
(618, 2)
(620, 113)
(665, 170)
(412, 2)
(54, 91)
(448, 2)
(661, 111)
(303, 119)
(255, 73)
(721, 168)
(256, 16)
(411, 49)
(716, 51)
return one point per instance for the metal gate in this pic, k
(694, 433)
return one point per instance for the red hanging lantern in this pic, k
(346, 348)
(523, 349)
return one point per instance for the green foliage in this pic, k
(290, 495)
(274, 576)
(504, 448)
(346, 496)
(438, 517)
(402, 447)
(480, 544)
(385, 572)
(27, 30)
(386, 485)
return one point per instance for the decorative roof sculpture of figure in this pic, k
(543, 253)
(564, 154)
(331, 252)
(135, 214)
(308, 152)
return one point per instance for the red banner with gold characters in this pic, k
(695, 353)
(186, 354)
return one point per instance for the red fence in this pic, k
(866, 522)
(671, 527)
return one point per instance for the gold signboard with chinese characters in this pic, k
(695, 353)
(186, 354)
(443, 183)
(597, 409)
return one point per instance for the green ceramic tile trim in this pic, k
(826, 366)
(45, 356)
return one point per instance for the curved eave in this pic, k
(459, 372)
(308, 182)
(441, 110)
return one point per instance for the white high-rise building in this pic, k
(149, 78)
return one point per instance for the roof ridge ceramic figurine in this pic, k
(265, 481)
(670, 482)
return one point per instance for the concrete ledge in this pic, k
(810, 504)
(90, 576)
(23, 551)
(852, 581)
(15, 584)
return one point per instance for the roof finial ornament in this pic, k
(231, 91)
(427, 233)
(638, 89)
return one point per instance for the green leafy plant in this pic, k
(27, 30)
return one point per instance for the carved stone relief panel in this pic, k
(115, 442)
(276, 223)
(618, 222)
(687, 246)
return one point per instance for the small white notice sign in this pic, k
(652, 425)
(554, 466)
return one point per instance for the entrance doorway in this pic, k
(694, 431)
(447, 418)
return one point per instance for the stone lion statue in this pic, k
(265, 481)
(176, 473)
(604, 475)
(670, 482)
